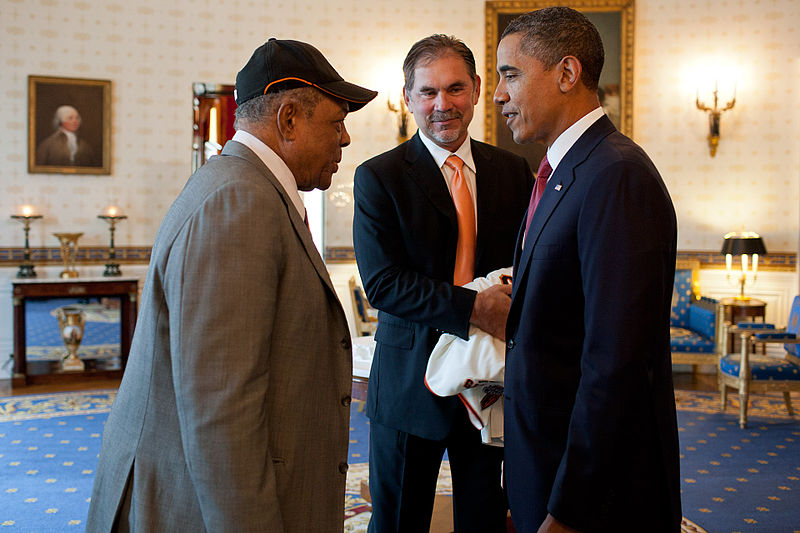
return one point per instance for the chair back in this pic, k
(362, 320)
(683, 292)
(794, 327)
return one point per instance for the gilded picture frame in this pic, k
(614, 20)
(69, 125)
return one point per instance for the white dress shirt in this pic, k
(276, 165)
(464, 151)
(560, 147)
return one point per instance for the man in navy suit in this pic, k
(590, 429)
(406, 235)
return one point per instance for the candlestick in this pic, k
(28, 215)
(112, 215)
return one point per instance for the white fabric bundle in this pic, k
(474, 370)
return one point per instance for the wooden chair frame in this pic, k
(743, 383)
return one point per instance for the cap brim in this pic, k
(355, 96)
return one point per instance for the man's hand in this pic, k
(490, 310)
(551, 525)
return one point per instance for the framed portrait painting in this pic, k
(614, 21)
(69, 125)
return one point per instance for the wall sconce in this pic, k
(714, 115)
(112, 215)
(402, 118)
(746, 244)
(26, 215)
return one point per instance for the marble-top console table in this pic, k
(125, 288)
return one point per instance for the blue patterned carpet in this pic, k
(733, 481)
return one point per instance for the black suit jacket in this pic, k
(590, 426)
(405, 233)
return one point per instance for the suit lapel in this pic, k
(558, 186)
(236, 149)
(489, 195)
(423, 171)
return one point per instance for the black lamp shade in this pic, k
(738, 244)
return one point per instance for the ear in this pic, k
(287, 119)
(569, 71)
(477, 93)
(407, 99)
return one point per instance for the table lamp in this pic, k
(747, 244)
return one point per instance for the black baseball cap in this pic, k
(283, 64)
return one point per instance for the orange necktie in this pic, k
(464, 271)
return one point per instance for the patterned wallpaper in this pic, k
(153, 51)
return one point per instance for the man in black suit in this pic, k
(408, 245)
(591, 439)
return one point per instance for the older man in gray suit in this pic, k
(233, 411)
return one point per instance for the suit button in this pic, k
(346, 401)
(343, 468)
(510, 344)
(346, 343)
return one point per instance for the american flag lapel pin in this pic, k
(558, 187)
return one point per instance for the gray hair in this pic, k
(430, 48)
(552, 33)
(261, 107)
(58, 116)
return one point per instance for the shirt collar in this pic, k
(570, 136)
(275, 164)
(440, 154)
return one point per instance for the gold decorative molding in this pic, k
(773, 261)
(91, 255)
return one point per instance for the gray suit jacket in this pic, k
(233, 412)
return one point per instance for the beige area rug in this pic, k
(357, 510)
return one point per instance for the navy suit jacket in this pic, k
(590, 426)
(405, 232)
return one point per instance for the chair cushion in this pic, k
(762, 367)
(701, 321)
(684, 340)
(775, 336)
(755, 325)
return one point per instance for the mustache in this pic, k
(441, 116)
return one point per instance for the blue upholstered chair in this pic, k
(364, 315)
(749, 371)
(694, 321)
